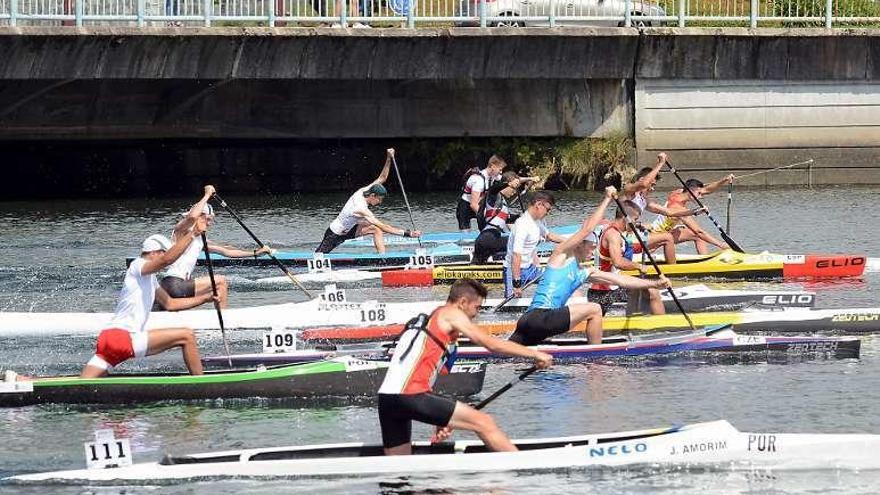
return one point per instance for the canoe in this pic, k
(462, 238)
(316, 312)
(448, 253)
(844, 320)
(339, 377)
(727, 264)
(713, 340)
(716, 445)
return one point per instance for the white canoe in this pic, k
(319, 313)
(714, 444)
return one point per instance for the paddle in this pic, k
(405, 200)
(513, 296)
(485, 402)
(729, 201)
(214, 290)
(522, 376)
(730, 242)
(653, 262)
(260, 243)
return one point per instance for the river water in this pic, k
(69, 256)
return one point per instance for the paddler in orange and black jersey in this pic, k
(614, 252)
(476, 183)
(496, 215)
(424, 348)
(682, 227)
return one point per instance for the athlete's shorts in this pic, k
(539, 324)
(397, 411)
(464, 213)
(526, 274)
(178, 287)
(116, 345)
(606, 298)
(332, 240)
(490, 242)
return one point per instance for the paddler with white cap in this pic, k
(125, 336)
(178, 281)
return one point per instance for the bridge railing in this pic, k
(413, 13)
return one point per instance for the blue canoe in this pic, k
(460, 238)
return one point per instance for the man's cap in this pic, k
(377, 189)
(156, 242)
(206, 210)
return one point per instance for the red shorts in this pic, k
(114, 346)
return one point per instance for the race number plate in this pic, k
(332, 294)
(372, 312)
(107, 451)
(279, 340)
(319, 264)
(421, 259)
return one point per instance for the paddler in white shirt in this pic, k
(356, 219)
(125, 337)
(521, 263)
(639, 190)
(178, 281)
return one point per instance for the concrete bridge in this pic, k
(716, 98)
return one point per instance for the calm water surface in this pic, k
(68, 256)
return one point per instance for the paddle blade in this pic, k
(713, 329)
(730, 242)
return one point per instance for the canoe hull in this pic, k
(359, 380)
(715, 444)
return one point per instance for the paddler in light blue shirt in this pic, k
(548, 314)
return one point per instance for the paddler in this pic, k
(178, 281)
(424, 349)
(639, 190)
(125, 336)
(356, 219)
(614, 251)
(548, 314)
(521, 263)
(497, 216)
(683, 228)
(476, 183)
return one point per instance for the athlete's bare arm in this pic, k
(587, 226)
(383, 175)
(185, 223)
(180, 244)
(702, 234)
(234, 252)
(628, 282)
(714, 186)
(457, 320)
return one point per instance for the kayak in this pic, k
(708, 340)
(726, 264)
(462, 238)
(845, 320)
(715, 444)
(317, 312)
(339, 377)
(448, 253)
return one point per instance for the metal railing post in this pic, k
(681, 8)
(343, 14)
(207, 8)
(482, 13)
(753, 14)
(410, 14)
(627, 14)
(829, 12)
(552, 13)
(13, 12)
(78, 8)
(141, 12)
(271, 13)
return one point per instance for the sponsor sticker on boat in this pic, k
(794, 259)
(16, 386)
(749, 340)
(279, 340)
(107, 451)
(354, 364)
